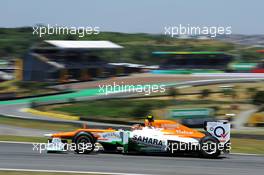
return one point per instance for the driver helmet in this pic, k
(150, 118)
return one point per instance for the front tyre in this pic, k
(209, 147)
(85, 143)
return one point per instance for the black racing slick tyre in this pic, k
(209, 147)
(85, 143)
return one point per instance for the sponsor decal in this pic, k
(183, 132)
(220, 132)
(147, 140)
(111, 135)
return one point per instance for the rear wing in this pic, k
(219, 129)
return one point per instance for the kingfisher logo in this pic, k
(147, 140)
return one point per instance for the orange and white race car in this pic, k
(164, 136)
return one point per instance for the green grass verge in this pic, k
(125, 108)
(26, 123)
(250, 146)
(112, 108)
(260, 132)
(23, 139)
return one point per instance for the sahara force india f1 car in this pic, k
(164, 136)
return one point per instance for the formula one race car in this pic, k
(164, 136)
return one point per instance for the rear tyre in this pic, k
(209, 147)
(85, 143)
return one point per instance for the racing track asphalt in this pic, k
(21, 156)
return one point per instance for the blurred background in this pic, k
(51, 83)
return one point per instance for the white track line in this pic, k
(246, 154)
(17, 142)
(64, 171)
